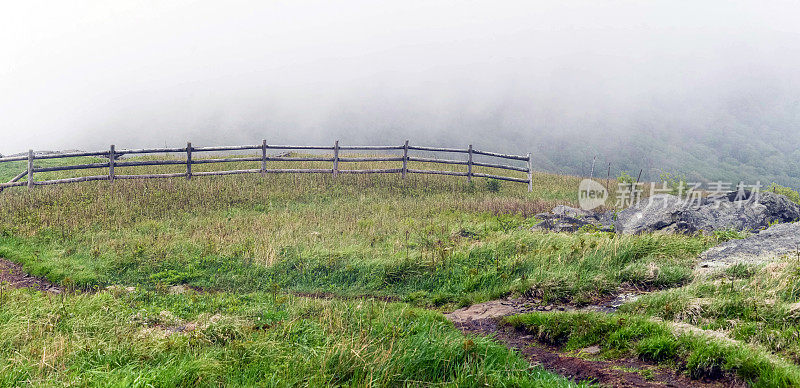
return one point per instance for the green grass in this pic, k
(627, 335)
(9, 170)
(750, 314)
(751, 304)
(148, 339)
(426, 241)
(251, 239)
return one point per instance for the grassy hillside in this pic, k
(431, 240)
(248, 246)
(245, 239)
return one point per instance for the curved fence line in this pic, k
(113, 155)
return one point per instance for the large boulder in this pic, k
(771, 244)
(668, 213)
(779, 207)
(739, 216)
(658, 212)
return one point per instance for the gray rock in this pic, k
(770, 244)
(748, 216)
(563, 210)
(569, 219)
(779, 207)
(668, 213)
(652, 214)
(591, 350)
(554, 223)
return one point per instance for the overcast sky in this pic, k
(85, 74)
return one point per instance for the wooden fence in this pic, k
(113, 162)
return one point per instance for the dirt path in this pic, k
(624, 373)
(12, 275)
(484, 318)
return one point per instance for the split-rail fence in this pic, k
(114, 162)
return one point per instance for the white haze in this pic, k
(498, 74)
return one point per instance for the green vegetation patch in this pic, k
(627, 335)
(141, 338)
(753, 304)
(430, 268)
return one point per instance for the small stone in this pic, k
(594, 349)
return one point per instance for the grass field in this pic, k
(250, 244)
(143, 338)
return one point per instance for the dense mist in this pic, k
(710, 91)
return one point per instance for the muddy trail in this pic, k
(580, 367)
(483, 319)
(14, 276)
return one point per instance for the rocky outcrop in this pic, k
(569, 219)
(779, 207)
(771, 244)
(668, 213)
(567, 211)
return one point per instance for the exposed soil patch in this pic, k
(514, 306)
(624, 373)
(12, 275)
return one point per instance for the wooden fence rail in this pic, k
(115, 163)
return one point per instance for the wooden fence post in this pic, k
(188, 160)
(469, 165)
(405, 159)
(264, 157)
(530, 173)
(30, 168)
(336, 158)
(112, 155)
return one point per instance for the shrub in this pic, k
(793, 195)
(676, 184)
(493, 185)
(625, 178)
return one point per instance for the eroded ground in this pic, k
(12, 275)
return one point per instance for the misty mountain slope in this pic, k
(730, 150)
